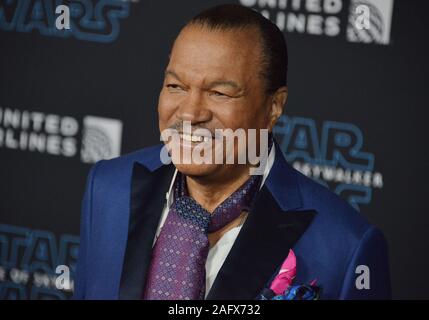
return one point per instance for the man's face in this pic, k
(213, 81)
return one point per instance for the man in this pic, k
(212, 230)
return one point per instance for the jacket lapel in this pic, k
(147, 199)
(275, 223)
(261, 246)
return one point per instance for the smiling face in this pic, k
(213, 81)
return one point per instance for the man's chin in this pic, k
(197, 170)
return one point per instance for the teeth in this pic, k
(194, 138)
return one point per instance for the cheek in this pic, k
(243, 115)
(256, 115)
(166, 109)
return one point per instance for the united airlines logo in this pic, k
(90, 20)
(364, 21)
(97, 138)
(332, 154)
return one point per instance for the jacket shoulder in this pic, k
(149, 157)
(115, 174)
(336, 214)
(338, 239)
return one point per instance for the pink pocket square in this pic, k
(286, 274)
(281, 287)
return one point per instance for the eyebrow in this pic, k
(228, 83)
(173, 74)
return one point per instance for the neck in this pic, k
(210, 191)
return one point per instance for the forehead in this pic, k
(202, 54)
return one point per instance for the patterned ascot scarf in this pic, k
(177, 270)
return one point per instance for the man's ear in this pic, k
(278, 102)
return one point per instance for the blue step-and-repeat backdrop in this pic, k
(355, 120)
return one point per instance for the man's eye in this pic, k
(218, 94)
(174, 86)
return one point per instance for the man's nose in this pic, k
(193, 109)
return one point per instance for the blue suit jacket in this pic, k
(122, 206)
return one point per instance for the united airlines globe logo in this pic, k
(101, 139)
(96, 145)
(376, 25)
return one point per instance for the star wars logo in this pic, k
(28, 262)
(90, 20)
(333, 156)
